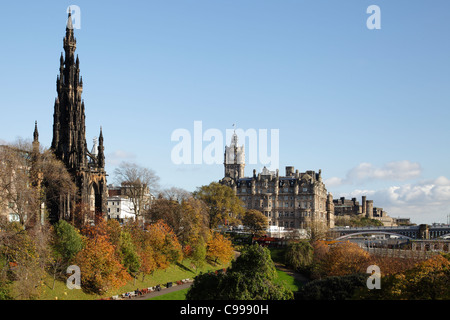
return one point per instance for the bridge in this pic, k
(423, 232)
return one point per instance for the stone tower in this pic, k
(234, 161)
(69, 136)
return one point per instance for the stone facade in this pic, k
(293, 201)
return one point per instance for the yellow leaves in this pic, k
(165, 244)
(219, 248)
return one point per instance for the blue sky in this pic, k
(368, 107)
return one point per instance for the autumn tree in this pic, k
(168, 211)
(255, 221)
(19, 254)
(345, 258)
(225, 208)
(195, 221)
(101, 270)
(165, 245)
(143, 246)
(219, 249)
(429, 280)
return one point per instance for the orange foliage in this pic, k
(100, 269)
(345, 258)
(219, 248)
(165, 245)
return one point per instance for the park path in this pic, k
(298, 276)
(163, 291)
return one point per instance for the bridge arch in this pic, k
(373, 232)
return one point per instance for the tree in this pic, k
(333, 288)
(252, 276)
(317, 229)
(30, 177)
(66, 242)
(16, 191)
(130, 258)
(57, 182)
(165, 244)
(225, 208)
(299, 255)
(175, 194)
(139, 182)
(168, 211)
(255, 221)
(198, 253)
(142, 242)
(195, 222)
(428, 280)
(101, 270)
(20, 256)
(345, 258)
(188, 219)
(219, 249)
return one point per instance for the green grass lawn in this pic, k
(171, 274)
(289, 281)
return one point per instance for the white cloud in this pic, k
(391, 171)
(333, 182)
(426, 201)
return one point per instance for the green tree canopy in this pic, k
(299, 255)
(67, 241)
(251, 277)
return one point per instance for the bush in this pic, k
(333, 288)
(251, 277)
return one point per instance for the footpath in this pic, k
(153, 294)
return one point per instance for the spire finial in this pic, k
(69, 19)
(35, 133)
